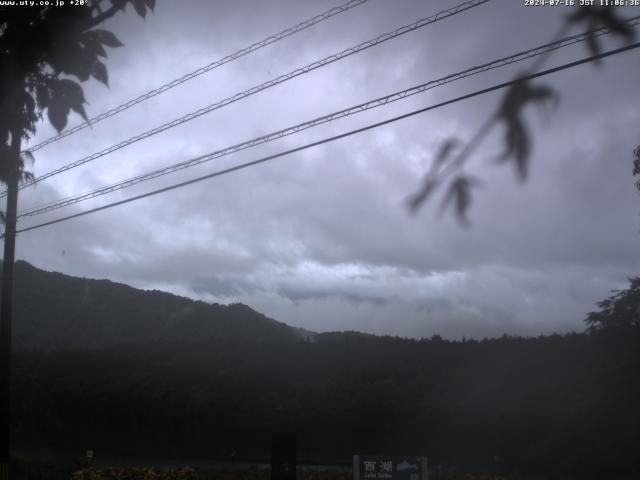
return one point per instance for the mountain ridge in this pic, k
(53, 311)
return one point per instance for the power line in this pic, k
(538, 51)
(336, 137)
(271, 83)
(207, 68)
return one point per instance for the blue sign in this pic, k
(368, 467)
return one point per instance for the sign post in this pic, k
(283, 456)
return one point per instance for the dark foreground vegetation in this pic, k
(549, 407)
(562, 404)
(38, 471)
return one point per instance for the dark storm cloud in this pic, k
(322, 239)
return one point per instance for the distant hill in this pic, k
(161, 376)
(54, 311)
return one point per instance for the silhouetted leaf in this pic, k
(73, 60)
(415, 201)
(26, 177)
(71, 94)
(593, 18)
(99, 72)
(594, 47)
(459, 192)
(106, 38)
(27, 155)
(431, 181)
(517, 141)
(5, 159)
(42, 96)
(57, 113)
(92, 42)
(120, 4)
(445, 152)
(141, 8)
(151, 4)
(29, 104)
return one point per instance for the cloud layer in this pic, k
(321, 239)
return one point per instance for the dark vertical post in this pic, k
(424, 468)
(356, 467)
(283, 456)
(6, 309)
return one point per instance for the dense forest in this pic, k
(553, 406)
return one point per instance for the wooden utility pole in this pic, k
(6, 306)
(21, 37)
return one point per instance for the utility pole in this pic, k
(6, 304)
(19, 109)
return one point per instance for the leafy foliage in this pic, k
(141, 6)
(460, 193)
(135, 474)
(432, 180)
(510, 114)
(219, 473)
(65, 95)
(621, 311)
(592, 18)
(6, 160)
(40, 48)
(517, 138)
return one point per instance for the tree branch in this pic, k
(115, 7)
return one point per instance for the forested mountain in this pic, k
(56, 311)
(126, 372)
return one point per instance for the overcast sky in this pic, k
(321, 239)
